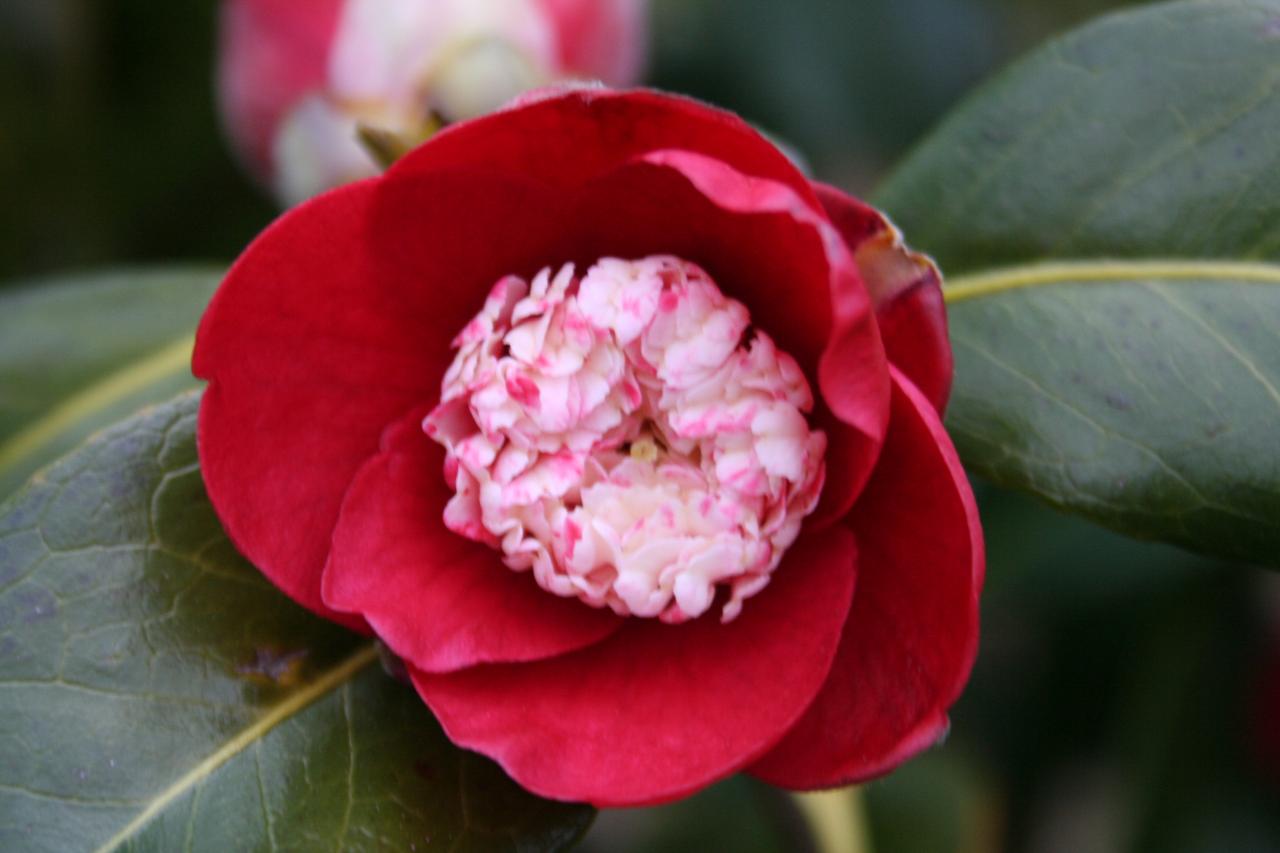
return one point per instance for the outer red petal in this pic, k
(907, 290)
(309, 356)
(438, 600)
(566, 137)
(271, 53)
(601, 39)
(766, 256)
(912, 635)
(657, 711)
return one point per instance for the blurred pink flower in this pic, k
(295, 78)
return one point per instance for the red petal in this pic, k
(308, 358)
(271, 53)
(912, 634)
(440, 601)
(907, 290)
(657, 711)
(850, 459)
(565, 138)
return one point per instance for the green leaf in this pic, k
(1108, 210)
(157, 693)
(77, 354)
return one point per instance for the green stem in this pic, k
(837, 820)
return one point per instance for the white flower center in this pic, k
(628, 438)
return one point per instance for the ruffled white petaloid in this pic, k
(629, 438)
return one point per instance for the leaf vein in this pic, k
(1221, 340)
(331, 680)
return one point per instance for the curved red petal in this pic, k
(271, 53)
(907, 290)
(566, 137)
(440, 601)
(308, 358)
(912, 634)
(850, 459)
(657, 711)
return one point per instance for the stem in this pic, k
(837, 820)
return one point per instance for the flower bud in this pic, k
(296, 79)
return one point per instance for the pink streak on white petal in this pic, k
(628, 438)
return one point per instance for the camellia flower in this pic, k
(623, 435)
(296, 77)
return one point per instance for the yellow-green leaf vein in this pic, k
(965, 287)
(292, 705)
(97, 397)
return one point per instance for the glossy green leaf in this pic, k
(156, 693)
(77, 354)
(1108, 214)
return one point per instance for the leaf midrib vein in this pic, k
(977, 285)
(294, 704)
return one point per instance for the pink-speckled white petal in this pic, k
(623, 437)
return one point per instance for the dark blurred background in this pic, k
(111, 151)
(1127, 697)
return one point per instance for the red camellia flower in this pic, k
(623, 435)
(296, 76)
